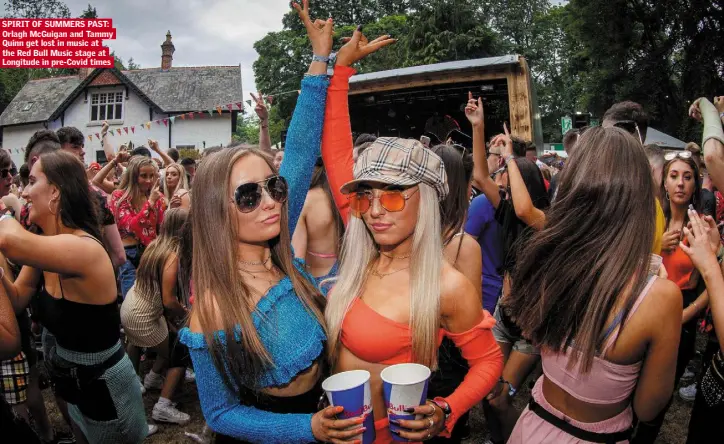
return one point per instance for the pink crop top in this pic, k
(606, 383)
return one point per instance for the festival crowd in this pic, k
(262, 273)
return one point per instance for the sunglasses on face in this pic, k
(247, 196)
(5, 172)
(392, 201)
(680, 154)
(630, 127)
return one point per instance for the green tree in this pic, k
(132, 64)
(89, 13)
(36, 9)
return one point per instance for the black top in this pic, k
(80, 327)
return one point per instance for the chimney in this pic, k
(84, 72)
(167, 50)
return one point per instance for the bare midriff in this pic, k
(348, 361)
(580, 410)
(302, 383)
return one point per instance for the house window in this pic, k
(185, 147)
(106, 106)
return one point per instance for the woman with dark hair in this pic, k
(680, 191)
(319, 232)
(256, 331)
(582, 291)
(68, 278)
(519, 197)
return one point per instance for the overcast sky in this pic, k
(205, 32)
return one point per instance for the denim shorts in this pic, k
(127, 271)
(505, 334)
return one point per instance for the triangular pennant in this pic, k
(172, 118)
(211, 113)
(98, 136)
(165, 122)
(183, 116)
(125, 128)
(191, 116)
(240, 105)
(230, 106)
(218, 108)
(133, 129)
(119, 131)
(248, 102)
(148, 125)
(90, 138)
(110, 132)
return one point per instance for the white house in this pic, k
(186, 107)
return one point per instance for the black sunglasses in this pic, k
(247, 196)
(5, 172)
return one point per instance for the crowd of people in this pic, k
(263, 273)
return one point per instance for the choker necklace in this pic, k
(264, 262)
(394, 257)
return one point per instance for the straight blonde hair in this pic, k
(223, 300)
(183, 181)
(359, 252)
(129, 180)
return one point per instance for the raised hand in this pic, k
(700, 248)
(504, 142)
(261, 110)
(474, 110)
(695, 111)
(153, 144)
(320, 36)
(358, 47)
(104, 127)
(155, 193)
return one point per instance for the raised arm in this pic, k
(263, 113)
(337, 144)
(481, 174)
(305, 129)
(713, 139)
(99, 179)
(167, 160)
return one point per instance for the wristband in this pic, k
(321, 59)
(508, 159)
(444, 406)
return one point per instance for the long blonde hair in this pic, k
(183, 182)
(359, 252)
(129, 179)
(150, 269)
(222, 297)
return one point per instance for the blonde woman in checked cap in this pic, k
(396, 297)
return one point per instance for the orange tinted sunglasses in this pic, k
(392, 201)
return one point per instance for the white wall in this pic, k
(15, 138)
(214, 131)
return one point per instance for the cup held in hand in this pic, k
(351, 390)
(405, 386)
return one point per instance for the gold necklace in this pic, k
(264, 262)
(272, 271)
(381, 275)
(394, 257)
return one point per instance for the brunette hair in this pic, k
(222, 298)
(43, 141)
(76, 208)
(150, 269)
(593, 251)
(695, 197)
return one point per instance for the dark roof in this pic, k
(46, 95)
(179, 89)
(189, 89)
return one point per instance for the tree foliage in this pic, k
(36, 9)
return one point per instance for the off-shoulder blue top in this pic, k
(289, 332)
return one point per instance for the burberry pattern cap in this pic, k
(395, 161)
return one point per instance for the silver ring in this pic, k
(432, 423)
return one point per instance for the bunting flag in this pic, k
(98, 136)
(119, 131)
(218, 108)
(125, 128)
(183, 116)
(165, 122)
(110, 132)
(248, 102)
(191, 116)
(172, 118)
(240, 105)
(90, 138)
(211, 113)
(230, 106)
(133, 129)
(148, 126)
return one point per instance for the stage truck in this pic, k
(430, 100)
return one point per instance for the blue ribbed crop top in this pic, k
(292, 335)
